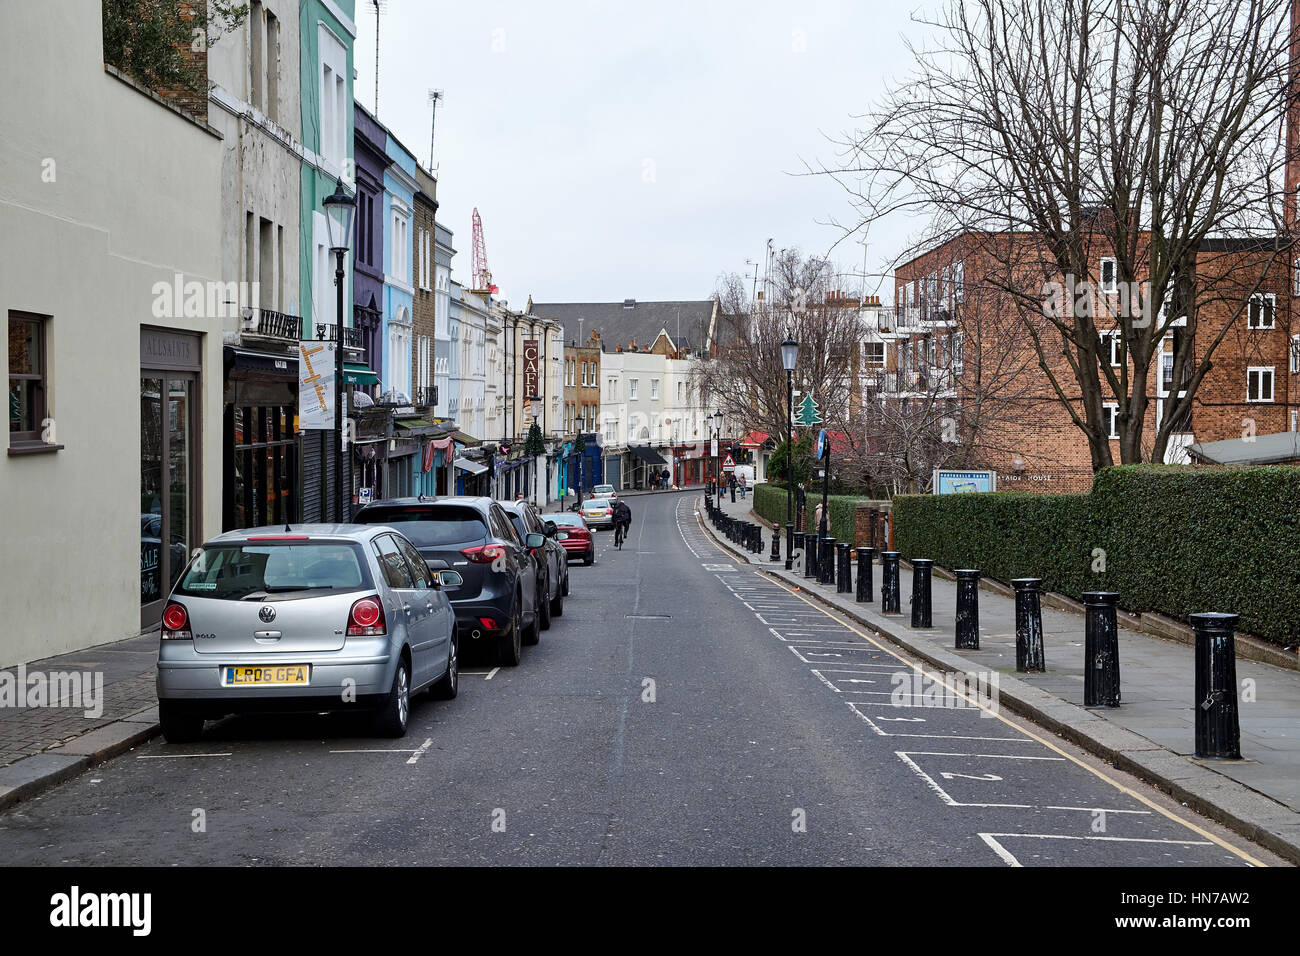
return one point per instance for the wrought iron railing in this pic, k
(272, 324)
(352, 337)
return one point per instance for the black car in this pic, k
(497, 602)
(528, 520)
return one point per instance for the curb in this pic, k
(1246, 812)
(33, 775)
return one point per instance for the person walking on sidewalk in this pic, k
(743, 485)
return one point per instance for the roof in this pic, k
(619, 323)
(754, 439)
(1260, 450)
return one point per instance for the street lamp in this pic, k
(717, 457)
(339, 211)
(789, 355)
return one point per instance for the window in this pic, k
(272, 67)
(1259, 384)
(1108, 276)
(401, 267)
(27, 383)
(873, 354)
(1295, 354)
(944, 285)
(1110, 419)
(654, 388)
(958, 345)
(1295, 419)
(631, 388)
(1261, 311)
(334, 101)
(391, 563)
(958, 280)
(584, 374)
(1295, 277)
(681, 393)
(1111, 348)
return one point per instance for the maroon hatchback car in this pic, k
(575, 537)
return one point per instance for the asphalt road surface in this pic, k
(683, 710)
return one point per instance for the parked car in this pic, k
(496, 605)
(323, 617)
(555, 584)
(603, 491)
(598, 512)
(575, 537)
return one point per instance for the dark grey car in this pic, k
(496, 604)
(555, 568)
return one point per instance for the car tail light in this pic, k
(489, 622)
(176, 623)
(366, 619)
(485, 553)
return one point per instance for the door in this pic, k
(168, 469)
(411, 599)
(438, 622)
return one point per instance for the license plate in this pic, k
(266, 676)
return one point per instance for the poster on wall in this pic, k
(316, 380)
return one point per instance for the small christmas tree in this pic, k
(534, 444)
(808, 413)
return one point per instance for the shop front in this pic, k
(260, 450)
(170, 461)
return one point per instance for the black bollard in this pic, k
(1218, 730)
(756, 538)
(843, 576)
(789, 545)
(890, 600)
(1100, 650)
(776, 544)
(1029, 626)
(733, 494)
(921, 568)
(796, 544)
(809, 555)
(968, 609)
(826, 561)
(865, 557)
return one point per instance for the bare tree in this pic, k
(744, 378)
(1054, 134)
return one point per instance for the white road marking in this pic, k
(884, 733)
(492, 673)
(1005, 855)
(419, 751)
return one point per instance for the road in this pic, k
(684, 710)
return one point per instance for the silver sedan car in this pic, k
(317, 618)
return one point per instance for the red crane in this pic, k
(482, 276)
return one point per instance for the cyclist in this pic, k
(622, 520)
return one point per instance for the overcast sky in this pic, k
(633, 150)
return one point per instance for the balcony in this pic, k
(352, 338)
(268, 324)
(426, 396)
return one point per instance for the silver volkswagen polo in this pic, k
(317, 618)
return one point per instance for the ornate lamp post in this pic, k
(789, 355)
(340, 208)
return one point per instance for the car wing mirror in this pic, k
(534, 541)
(448, 580)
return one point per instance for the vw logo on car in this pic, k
(266, 613)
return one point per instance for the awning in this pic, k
(251, 363)
(357, 374)
(473, 467)
(421, 427)
(465, 439)
(648, 455)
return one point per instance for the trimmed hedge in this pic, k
(769, 503)
(1176, 540)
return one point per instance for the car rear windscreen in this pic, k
(431, 527)
(235, 571)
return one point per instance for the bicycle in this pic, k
(619, 535)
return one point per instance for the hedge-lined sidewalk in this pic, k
(1151, 734)
(44, 740)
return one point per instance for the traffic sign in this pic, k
(729, 464)
(821, 444)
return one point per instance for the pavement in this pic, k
(1152, 732)
(686, 708)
